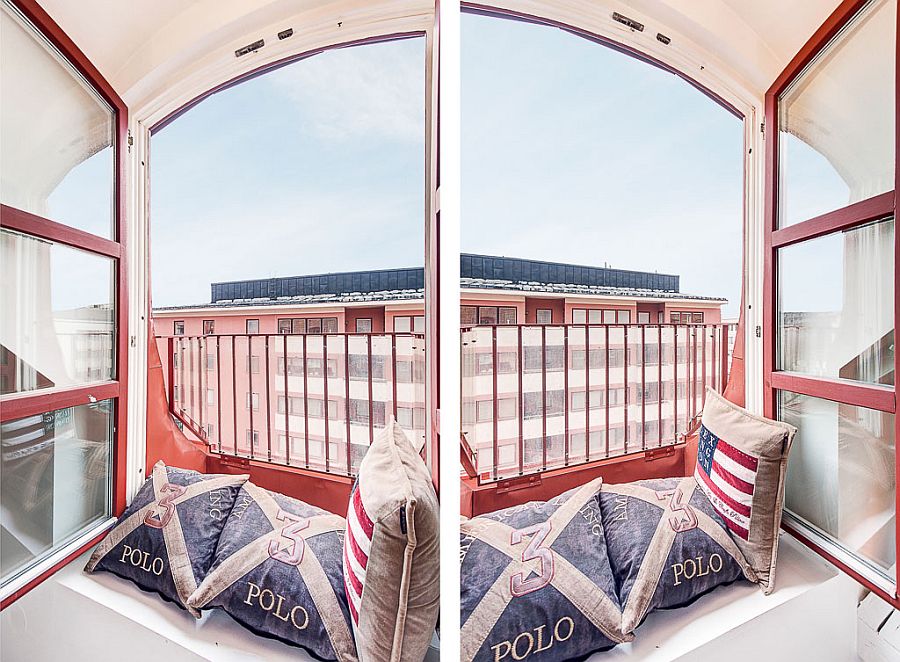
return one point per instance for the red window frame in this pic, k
(36, 402)
(872, 396)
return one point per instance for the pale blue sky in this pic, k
(315, 167)
(576, 153)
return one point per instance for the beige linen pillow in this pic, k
(741, 463)
(391, 563)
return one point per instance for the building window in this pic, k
(506, 408)
(579, 316)
(411, 418)
(253, 399)
(298, 326)
(252, 365)
(359, 367)
(468, 315)
(210, 397)
(329, 325)
(623, 317)
(255, 441)
(284, 326)
(675, 318)
(364, 325)
(484, 363)
(210, 361)
(178, 328)
(506, 363)
(643, 318)
(209, 327)
(484, 411)
(487, 315)
(506, 315)
(359, 412)
(409, 324)
(252, 326)
(544, 316)
(553, 355)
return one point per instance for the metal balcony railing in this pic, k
(310, 401)
(539, 397)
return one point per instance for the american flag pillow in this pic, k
(728, 476)
(357, 544)
(741, 464)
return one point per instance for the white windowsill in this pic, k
(811, 615)
(103, 617)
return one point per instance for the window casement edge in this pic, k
(849, 563)
(34, 576)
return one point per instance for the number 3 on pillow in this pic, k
(518, 585)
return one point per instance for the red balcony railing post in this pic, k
(606, 363)
(694, 375)
(520, 362)
(170, 369)
(544, 397)
(394, 380)
(565, 330)
(675, 376)
(725, 344)
(627, 385)
(371, 399)
(495, 411)
(250, 396)
(218, 395)
(326, 401)
(703, 370)
(643, 387)
(587, 392)
(287, 404)
(715, 358)
(305, 403)
(269, 403)
(347, 396)
(234, 406)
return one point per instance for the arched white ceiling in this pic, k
(142, 46)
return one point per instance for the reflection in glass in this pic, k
(57, 315)
(54, 479)
(836, 120)
(835, 314)
(841, 476)
(56, 157)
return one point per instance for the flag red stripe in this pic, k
(361, 515)
(738, 456)
(737, 528)
(357, 550)
(731, 479)
(715, 489)
(354, 580)
(350, 604)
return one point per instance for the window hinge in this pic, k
(134, 341)
(130, 141)
(762, 127)
(758, 331)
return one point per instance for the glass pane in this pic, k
(56, 158)
(840, 476)
(836, 121)
(835, 312)
(56, 480)
(57, 315)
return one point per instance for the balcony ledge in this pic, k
(811, 615)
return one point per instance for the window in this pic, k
(329, 325)
(609, 316)
(252, 365)
(506, 315)
(487, 315)
(255, 441)
(253, 398)
(359, 412)
(623, 317)
(675, 318)
(544, 316)
(313, 326)
(579, 316)
(830, 363)
(359, 367)
(408, 324)
(643, 318)
(59, 164)
(468, 315)
(556, 402)
(484, 363)
(411, 418)
(210, 361)
(209, 327)
(506, 408)
(298, 326)
(210, 397)
(252, 326)
(553, 355)
(284, 326)
(506, 363)
(410, 372)
(597, 358)
(178, 328)
(364, 325)
(484, 410)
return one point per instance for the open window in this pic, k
(63, 300)
(830, 292)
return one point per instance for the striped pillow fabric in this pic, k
(667, 546)
(165, 540)
(741, 464)
(536, 579)
(391, 564)
(277, 571)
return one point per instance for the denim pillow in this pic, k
(667, 546)
(536, 578)
(165, 540)
(278, 572)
